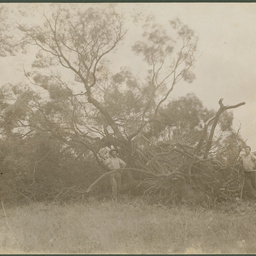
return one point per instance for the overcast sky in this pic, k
(226, 56)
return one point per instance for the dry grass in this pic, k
(127, 227)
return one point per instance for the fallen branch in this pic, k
(216, 120)
(124, 169)
(184, 152)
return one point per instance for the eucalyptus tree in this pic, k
(99, 107)
(87, 104)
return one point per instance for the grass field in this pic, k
(127, 227)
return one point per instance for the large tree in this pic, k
(99, 104)
(86, 104)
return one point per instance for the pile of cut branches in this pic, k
(181, 171)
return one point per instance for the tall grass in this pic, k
(127, 227)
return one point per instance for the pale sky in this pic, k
(226, 62)
(226, 55)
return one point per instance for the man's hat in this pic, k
(112, 150)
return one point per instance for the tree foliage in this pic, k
(84, 106)
(115, 101)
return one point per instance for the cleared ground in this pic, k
(127, 227)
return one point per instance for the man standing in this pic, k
(115, 163)
(249, 166)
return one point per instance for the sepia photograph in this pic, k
(128, 128)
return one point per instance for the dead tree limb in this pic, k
(215, 122)
(124, 169)
(205, 130)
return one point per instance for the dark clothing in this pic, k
(250, 183)
(249, 165)
(115, 180)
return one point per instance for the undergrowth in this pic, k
(130, 226)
